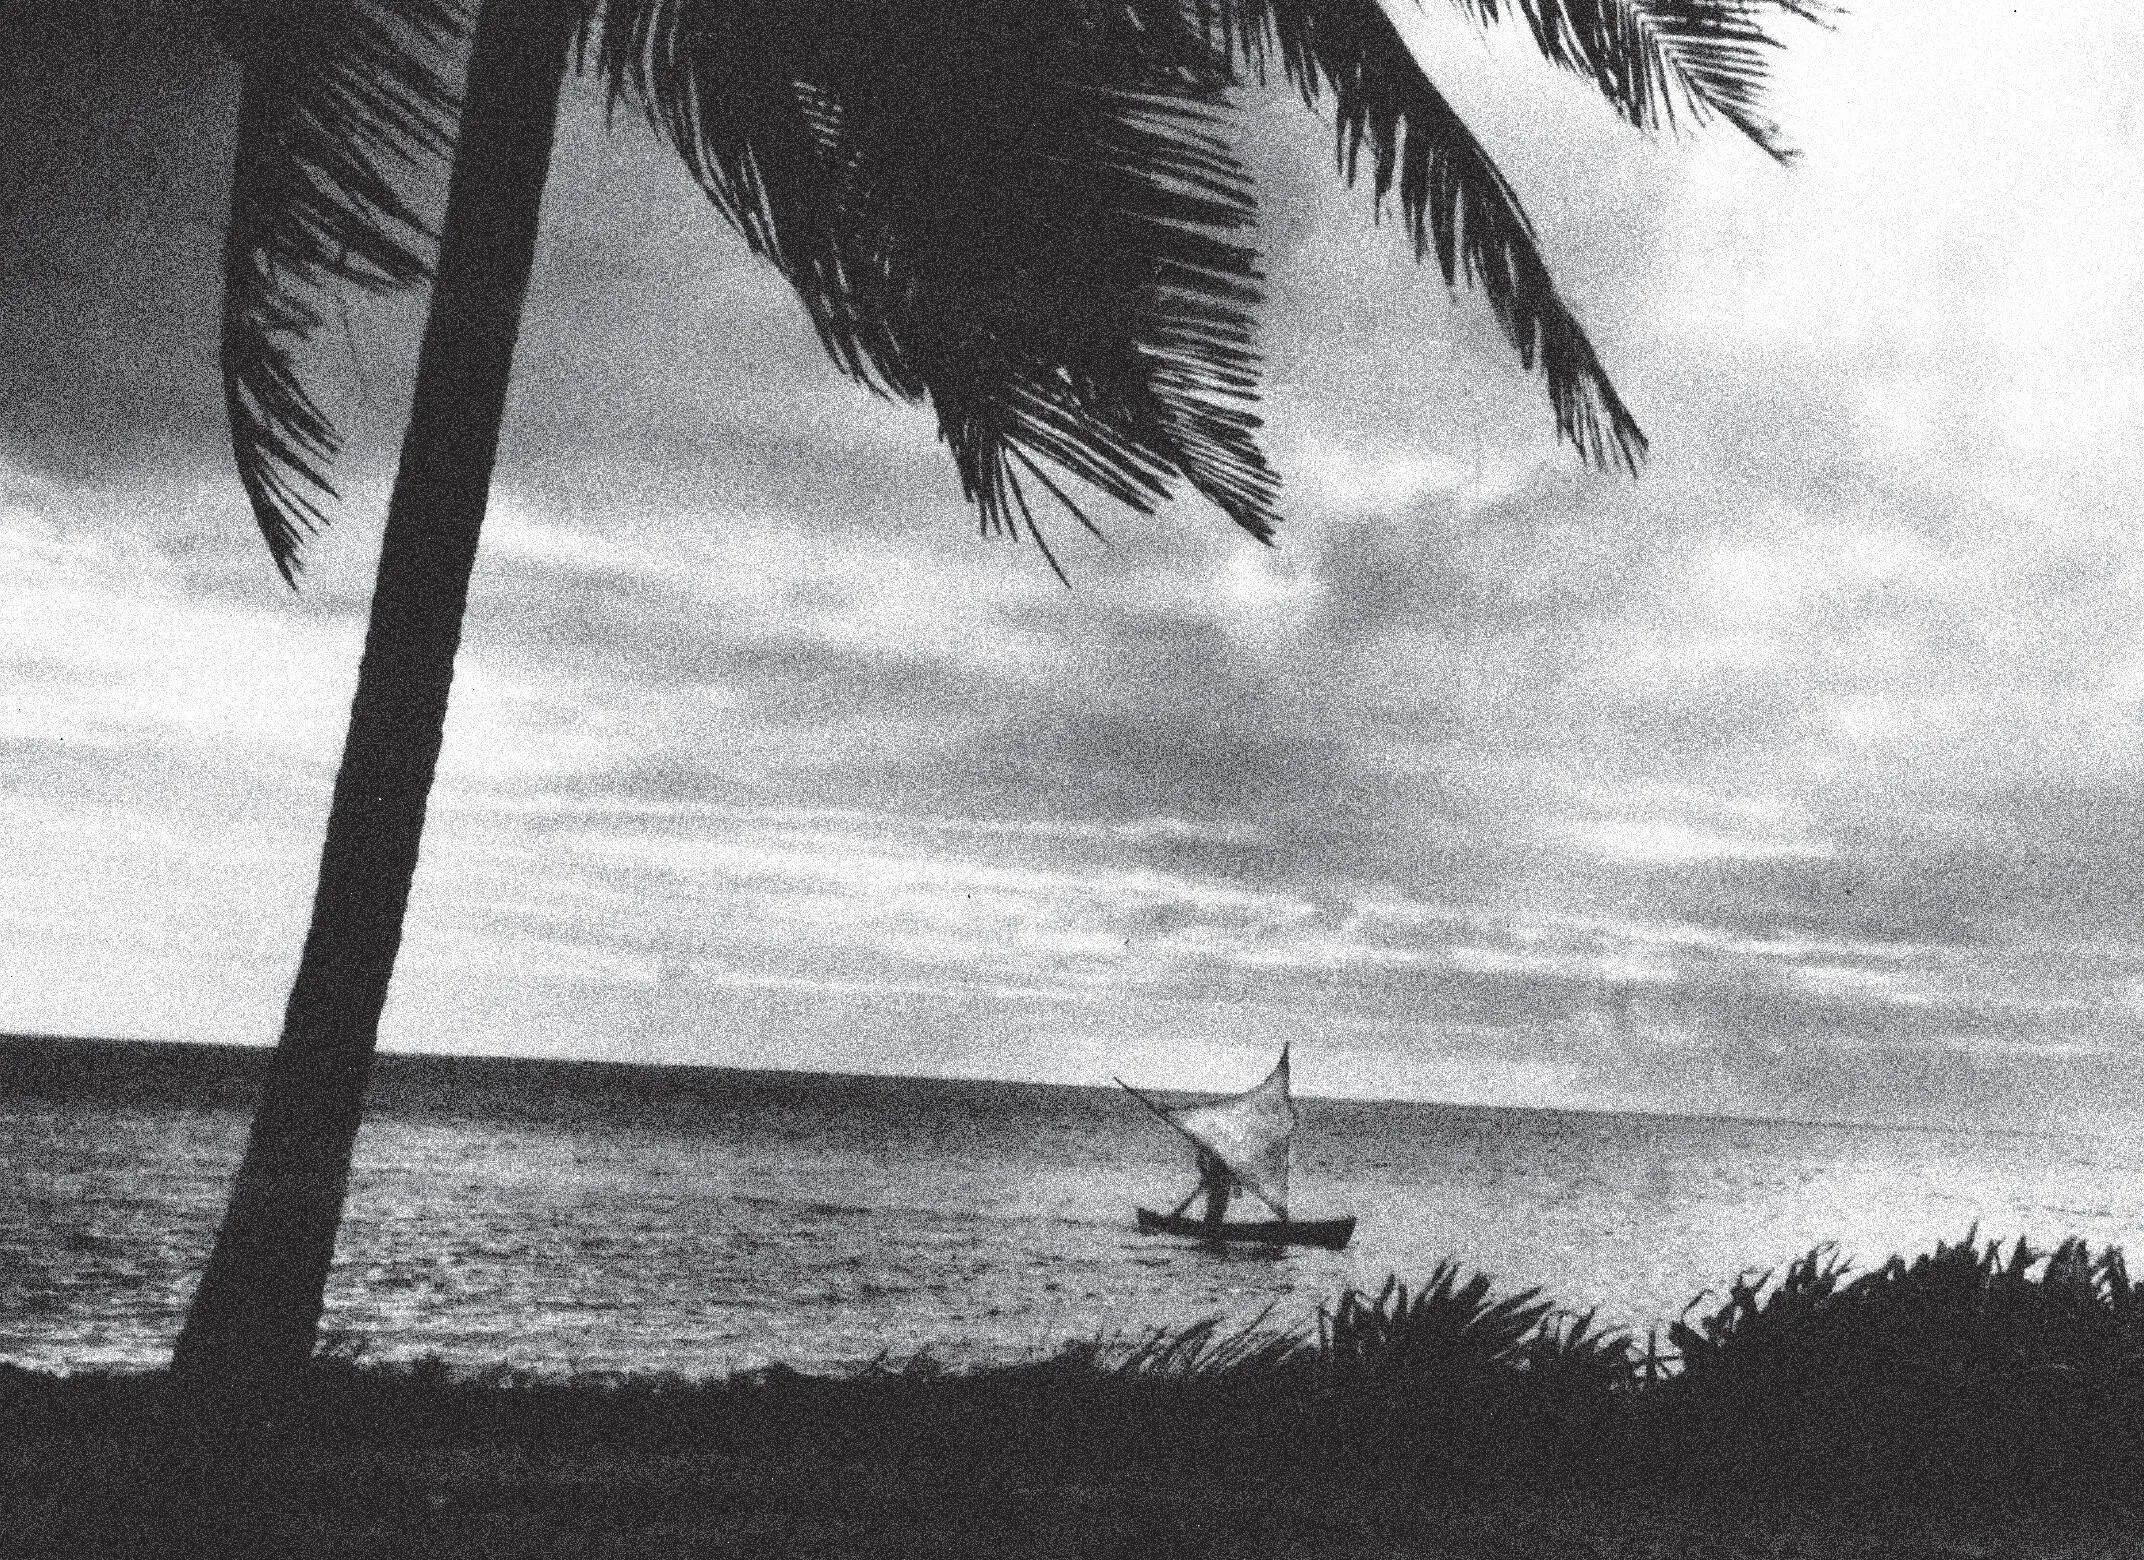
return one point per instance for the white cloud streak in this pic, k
(1799, 777)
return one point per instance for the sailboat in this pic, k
(1248, 1134)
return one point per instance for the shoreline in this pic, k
(1971, 1400)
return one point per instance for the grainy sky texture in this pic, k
(1800, 777)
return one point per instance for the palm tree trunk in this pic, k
(258, 1308)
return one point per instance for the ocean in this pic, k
(572, 1216)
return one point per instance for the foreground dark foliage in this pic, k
(1973, 1371)
(1976, 1381)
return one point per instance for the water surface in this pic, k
(571, 1215)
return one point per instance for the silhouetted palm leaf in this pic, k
(1660, 62)
(1451, 195)
(1402, 1335)
(340, 97)
(1023, 214)
(1209, 1350)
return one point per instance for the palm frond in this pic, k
(1022, 214)
(341, 98)
(1661, 62)
(1570, 1352)
(1392, 122)
(1401, 1335)
(1210, 1350)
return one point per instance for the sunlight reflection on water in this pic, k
(823, 1222)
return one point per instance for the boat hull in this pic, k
(1332, 1234)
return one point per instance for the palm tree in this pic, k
(1022, 212)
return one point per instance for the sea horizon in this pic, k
(562, 1214)
(262, 1048)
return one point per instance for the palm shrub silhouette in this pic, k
(1022, 213)
(1978, 1367)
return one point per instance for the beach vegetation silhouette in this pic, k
(1977, 1399)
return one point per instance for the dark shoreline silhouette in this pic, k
(1977, 1399)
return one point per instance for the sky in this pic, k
(1799, 777)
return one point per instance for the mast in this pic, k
(1247, 1132)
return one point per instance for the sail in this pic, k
(1248, 1132)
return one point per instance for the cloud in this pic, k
(1799, 776)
